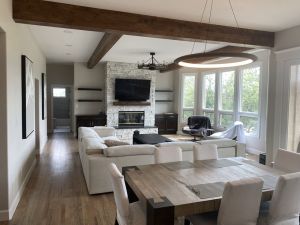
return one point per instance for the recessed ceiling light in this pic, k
(68, 31)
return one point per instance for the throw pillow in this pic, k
(111, 143)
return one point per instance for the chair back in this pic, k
(168, 154)
(287, 161)
(196, 122)
(285, 203)
(120, 194)
(240, 203)
(205, 152)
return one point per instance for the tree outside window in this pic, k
(209, 81)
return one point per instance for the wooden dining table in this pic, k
(171, 190)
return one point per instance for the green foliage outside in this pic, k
(209, 91)
(249, 97)
(189, 92)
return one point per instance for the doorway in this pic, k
(62, 109)
(293, 137)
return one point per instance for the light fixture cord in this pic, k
(209, 19)
(202, 16)
(237, 24)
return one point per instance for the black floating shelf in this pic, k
(163, 90)
(163, 100)
(89, 100)
(89, 89)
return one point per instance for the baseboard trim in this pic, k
(253, 151)
(4, 215)
(18, 197)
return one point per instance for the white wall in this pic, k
(3, 128)
(56, 75)
(89, 78)
(288, 38)
(20, 153)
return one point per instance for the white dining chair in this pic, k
(168, 154)
(284, 208)
(205, 152)
(127, 213)
(287, 161)
(239, 205)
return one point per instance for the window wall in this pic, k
(188, 100)
(226, 96)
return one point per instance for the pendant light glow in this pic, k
(201, 60)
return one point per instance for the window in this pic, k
(59, 92)
(226, 98)
(249, 99)
(227, 90)
(188, 95)
(209, 83)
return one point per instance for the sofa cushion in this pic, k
(86, 132)
(184, 145)
(221, 143)
(111, 143)
(104, 131)
(93, 146)
(127, 150)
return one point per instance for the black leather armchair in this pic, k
(198, 126)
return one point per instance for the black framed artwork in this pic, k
(44, 96)
(28, 104)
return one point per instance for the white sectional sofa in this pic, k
(95, 155)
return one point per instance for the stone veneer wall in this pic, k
(127, 70)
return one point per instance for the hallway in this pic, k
(56, 193)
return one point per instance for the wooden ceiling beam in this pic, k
(234, 49)
(105, 44)
(55, 14)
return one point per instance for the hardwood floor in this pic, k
(56, 193)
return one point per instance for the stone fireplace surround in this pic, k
(115, 70)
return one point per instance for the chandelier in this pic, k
(198, 60)
(152, 64)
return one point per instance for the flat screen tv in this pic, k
(132, 89)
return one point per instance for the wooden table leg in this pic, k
(160, 213)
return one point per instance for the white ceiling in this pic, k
(65, 45)
(134, 49)
(269, 15)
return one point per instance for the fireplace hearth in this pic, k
(131, 118)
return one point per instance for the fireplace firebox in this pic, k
(131, 118)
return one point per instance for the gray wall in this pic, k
(57, 75)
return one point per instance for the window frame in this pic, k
(236, 112)
(241, 113)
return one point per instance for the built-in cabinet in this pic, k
(90, 120)
(166, 123)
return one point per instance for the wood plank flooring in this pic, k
(56, 193)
